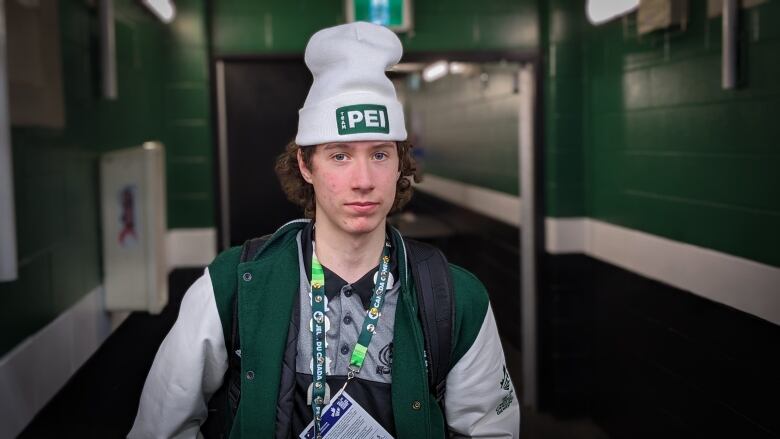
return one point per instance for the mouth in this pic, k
(362, 206)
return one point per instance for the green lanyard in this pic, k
(318, 326)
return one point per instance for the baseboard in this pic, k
(191, 247)
(33, 372)
(488, 202)
(740, 283)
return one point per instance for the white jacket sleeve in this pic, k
(480, 399)
(188, 369)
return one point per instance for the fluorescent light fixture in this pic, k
(435, 71)
(163, 9)
(407, 67)
(462, 68)
(601, 11)
(458, 67)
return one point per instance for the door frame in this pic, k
(219, 120)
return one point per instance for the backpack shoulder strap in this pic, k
(248, 252)
(225, 283)
(436, 301)
(252, 247)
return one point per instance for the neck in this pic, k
(348, 255)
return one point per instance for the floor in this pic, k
(535, 425)
(100, 401)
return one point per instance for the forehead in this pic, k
(363, 145)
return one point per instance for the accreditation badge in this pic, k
(344, 418)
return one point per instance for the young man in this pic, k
(328, 311)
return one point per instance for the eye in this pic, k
(339, 157)
(381, 155)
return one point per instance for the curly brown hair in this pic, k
(301, 193)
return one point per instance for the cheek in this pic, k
(333, 183)
(330, 182)
(392, 179)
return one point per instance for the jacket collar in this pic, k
(289, 231)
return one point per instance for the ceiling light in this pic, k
(407, 67)
(163, 9)
(436, 71)
(601, 11)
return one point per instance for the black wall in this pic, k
(486, 247)
(647, 360)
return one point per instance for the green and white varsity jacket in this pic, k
(192, 360)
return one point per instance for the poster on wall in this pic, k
(393, 14)
(128, 217)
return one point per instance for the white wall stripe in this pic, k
(743, 284)
(565, 235)
(33, 372)
(191, 247)
(494, 204)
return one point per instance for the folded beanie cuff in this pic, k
(350, 117)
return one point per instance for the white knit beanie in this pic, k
(351, 98)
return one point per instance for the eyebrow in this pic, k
(334, 146)
(346, 145)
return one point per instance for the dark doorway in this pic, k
(259, 116)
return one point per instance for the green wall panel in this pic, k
(189, 138)
(252, 27)
(474, 29)
(668, 151)
(564, 178)
(185, 175)
(187, 130)
(188, 63)
(186, 101)
(190, 208)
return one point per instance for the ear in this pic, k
(305, 172)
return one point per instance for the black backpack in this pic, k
(436, 306)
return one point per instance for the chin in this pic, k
(363, 224)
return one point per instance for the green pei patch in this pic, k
(365, 118)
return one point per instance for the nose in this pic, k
(362, 179)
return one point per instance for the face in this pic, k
(354, 183)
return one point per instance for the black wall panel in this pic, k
(649, 360)
(486, 247)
